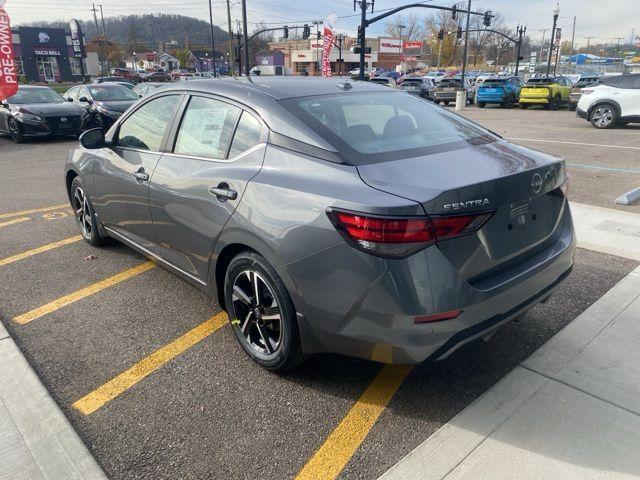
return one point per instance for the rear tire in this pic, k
(604, 116)
(85, 215)
(572, 107)
(481, 104)
(437, 102)
(446, 103)
(254, 296)
(523, 106)
(555, 103)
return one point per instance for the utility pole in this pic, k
(213, 43)
(100, 51)
(573, 37)
(230, 41)
(466, 44)
(556, 13)
(239, 38)
(104, 35)
(245, 32)
(588, 43)
(521, 31)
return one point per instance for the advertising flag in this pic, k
(8, 73)
(327, 44)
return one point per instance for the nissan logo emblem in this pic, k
(536, 183)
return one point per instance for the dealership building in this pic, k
(47, 55)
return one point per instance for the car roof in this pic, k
(278, 88)
(33, 87)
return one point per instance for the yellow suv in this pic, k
(548, 91)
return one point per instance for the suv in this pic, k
(576, 90)
(547, 90)
(502, 90)
(446, 89)
(612, 101)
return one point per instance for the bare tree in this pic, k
(478, 41)
(414, 27)
(442, 20)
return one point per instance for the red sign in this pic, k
(410, 44)
(8, 75)
(327, 44)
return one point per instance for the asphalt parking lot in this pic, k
(152, 378)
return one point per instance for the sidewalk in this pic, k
(569, 411)
(36, 439)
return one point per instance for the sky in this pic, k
(602, 19)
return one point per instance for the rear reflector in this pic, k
(398, 237)
(438, 317)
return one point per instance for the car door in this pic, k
(122, 172)
(218, 148)
(627, 94)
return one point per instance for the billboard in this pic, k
(389, 45)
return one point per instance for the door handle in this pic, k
(141, 175)
(223, 192)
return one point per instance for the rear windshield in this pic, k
(415, 81)
(493, 83)
(449, 82)
(378, 126)
(380, 80)
(541, 81)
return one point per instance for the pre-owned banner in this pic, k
(327, 44)
(8, 74)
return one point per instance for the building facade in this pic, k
(46, 55)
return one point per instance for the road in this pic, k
(182, 400)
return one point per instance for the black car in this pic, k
(105, 102)
(39, 112)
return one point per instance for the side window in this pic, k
(636, 82)
(145, 128)
(626, 82)
(247, 134)
(206, 128)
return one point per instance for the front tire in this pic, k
(604, 116)
(524, 106)
(261, 312)
(14, 131)
(446, 103)
(84, 214)
(481, 104)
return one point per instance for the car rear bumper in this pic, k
(540, 100)
(367, 308)
(581, 113)
(449, 96)
(499, 98)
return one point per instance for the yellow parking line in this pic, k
(15, 220)
(82, 293)
(34, 210)
(35, 251)
(341, 444)
(127, 379)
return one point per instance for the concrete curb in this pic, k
(36, 439)
(565, 412)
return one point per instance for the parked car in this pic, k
(126, 73)
(547, 90)
(447, 88)
(422, 86)
(113, 79)
(576, 90)
(387, 81)
(158, 76)
(324, 218)
(104, 102)
(146, 88)
(39, 112)
(612, 101)
(504, 91)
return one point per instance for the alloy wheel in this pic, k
(14, 133)
(257, 312)
(82, 212)
(602, 116)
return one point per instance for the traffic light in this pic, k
(454, 11)
(306, 31)
(441, 35)
(459, 33)
(487, 19)
(285, 31)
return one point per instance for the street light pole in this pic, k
(556, 13)
(400, 28)
(213, 45)
(521, 31)
(245, 32)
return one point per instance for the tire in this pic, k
(524, 106)
(85, 215)
(14, 131)
(481, 104)
(555, 103)
(446, 103)
(472, 100)
(604, 115)
(275, 349)
(573, 106)
(437, 102)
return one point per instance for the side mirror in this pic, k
(93, 139)
(69, 99)
(85, 100)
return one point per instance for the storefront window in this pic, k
(48, 68)
(19, 66)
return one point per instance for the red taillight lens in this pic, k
(400, 237)
(437, 317)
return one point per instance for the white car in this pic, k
(612, 101)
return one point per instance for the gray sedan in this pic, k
(328, 215)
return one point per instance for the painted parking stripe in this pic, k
(573, 143)
(127, 379)
(35, 251)
(334, 454)
(14, 221)
(33, 210)
(82, 293)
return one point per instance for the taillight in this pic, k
(399, 237)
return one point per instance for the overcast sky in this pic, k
(602, 19)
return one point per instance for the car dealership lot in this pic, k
(200, 408)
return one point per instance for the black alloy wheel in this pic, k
(14, 131)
